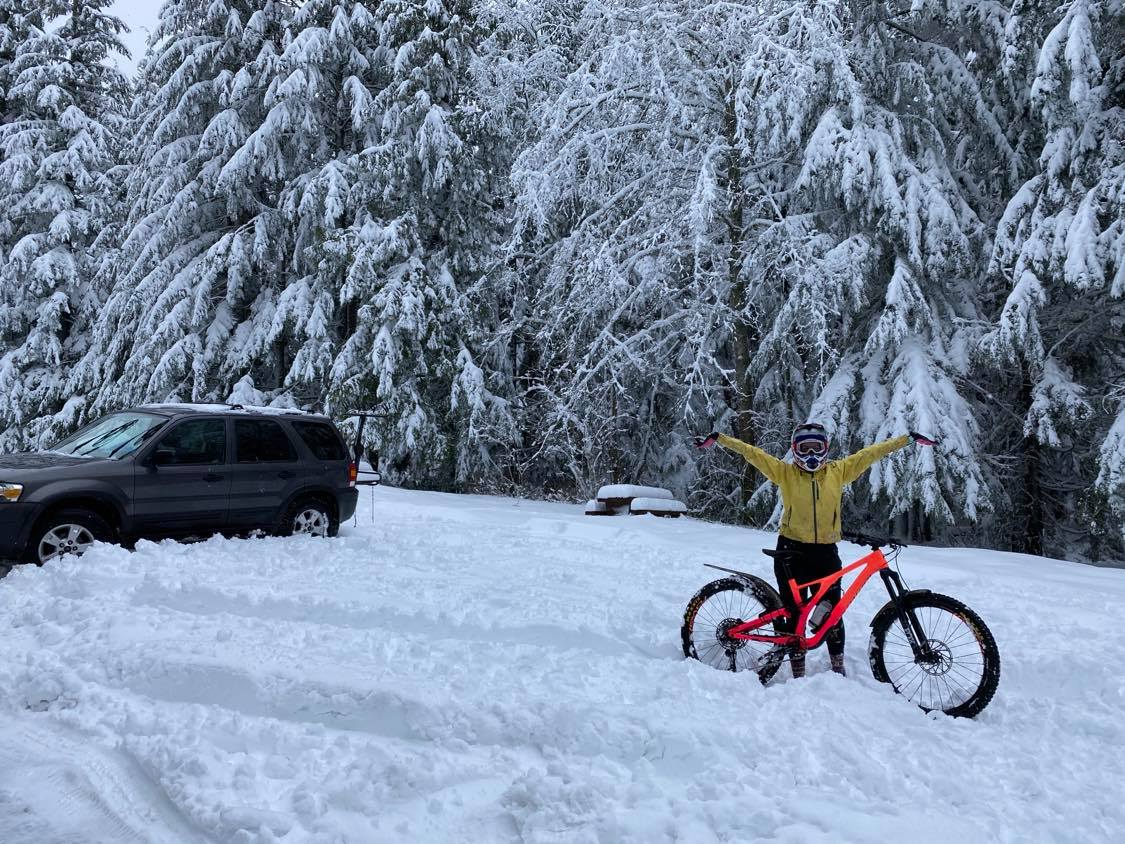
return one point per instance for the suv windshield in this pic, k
(117, 435)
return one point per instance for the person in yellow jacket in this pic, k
(812, 489)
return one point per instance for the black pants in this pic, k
(809, 563)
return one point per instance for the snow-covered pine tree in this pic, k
(326, 85)
(17, 20)
(60, 141)
(894, 177)
(201, 265)
(421, 236)
(1060, 255)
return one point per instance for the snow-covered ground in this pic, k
(470, 669)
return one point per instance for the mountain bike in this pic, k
(931, 648)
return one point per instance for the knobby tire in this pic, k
(966, 646)
(722, 603)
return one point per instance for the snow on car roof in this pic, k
(190, 407)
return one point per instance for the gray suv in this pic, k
(180, 471)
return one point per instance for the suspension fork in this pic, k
(910, 625)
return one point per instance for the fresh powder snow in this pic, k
(478, 669)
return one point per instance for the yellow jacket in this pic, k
(811, 500)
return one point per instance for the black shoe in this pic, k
(797, 665)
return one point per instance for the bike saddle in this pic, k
(778, 555)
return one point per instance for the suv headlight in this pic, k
(10, 492)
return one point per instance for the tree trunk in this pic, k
(280, 364)
(1031, 540)
(745, 336)
(614, 451)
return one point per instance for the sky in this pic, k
(140, 16)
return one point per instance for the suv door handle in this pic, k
(212, 478)
(285, 474)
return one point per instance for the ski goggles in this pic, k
(810, 445)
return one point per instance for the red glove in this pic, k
(707, 441)
(922, 439)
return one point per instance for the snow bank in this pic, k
(472, 669)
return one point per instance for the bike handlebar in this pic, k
(873, 541)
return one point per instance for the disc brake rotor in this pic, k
(722, 633)
(940, 658)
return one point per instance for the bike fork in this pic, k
(914, 632)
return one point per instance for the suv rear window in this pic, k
(322, 440)
(262, 441)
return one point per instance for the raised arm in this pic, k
(767, 464)
(856, 464)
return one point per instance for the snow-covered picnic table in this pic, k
(635, 499)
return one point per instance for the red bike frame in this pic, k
(871, 564)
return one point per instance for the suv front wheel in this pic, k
(309, 517)
(66, 533)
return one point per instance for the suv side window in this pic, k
(193, 443)
(322, 440)
(262, 441)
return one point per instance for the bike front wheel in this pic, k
(959, 669)
(721, 606)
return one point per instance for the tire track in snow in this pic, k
(388, 705)
(205, 601)
(57, 785)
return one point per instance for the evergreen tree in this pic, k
(329, 72)
(18, 19)
(58, 146)
(422, 233)
(1059, 252)
(201, 268)
(893, 172)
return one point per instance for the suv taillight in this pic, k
(353, 473)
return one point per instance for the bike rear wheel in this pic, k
(720, 606)
(960, 671)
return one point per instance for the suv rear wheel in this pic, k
(309, 517)
(66, 533)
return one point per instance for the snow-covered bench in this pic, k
(622, 495)
(657, 507)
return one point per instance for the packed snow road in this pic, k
(469, 669)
